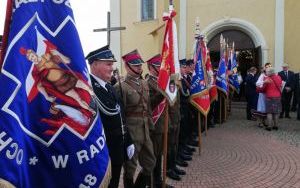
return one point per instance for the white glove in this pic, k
(130, 151)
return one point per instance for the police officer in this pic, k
(101, 62)
(138, 114)
(185, 113)
(187, 78)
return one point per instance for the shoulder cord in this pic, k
(114, 112)
(104, 109)
(187, 93)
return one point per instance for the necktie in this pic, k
(107, 86)
(109, 90)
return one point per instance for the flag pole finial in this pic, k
(197, 27)
(171, 6)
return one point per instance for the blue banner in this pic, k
(199, 92)
(50, 131)
(221, 78)
(233, 78)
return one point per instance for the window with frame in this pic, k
(147, 10)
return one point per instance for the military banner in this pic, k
(199, 93)
(169, 71)
(50, 131)
(232, 67)
(222, 76)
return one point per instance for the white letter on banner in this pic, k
(59, 161)
(3, 143)
(82, 155)
(58, 1)
(93, 150)
(12, 155)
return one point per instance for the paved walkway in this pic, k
(238, 154)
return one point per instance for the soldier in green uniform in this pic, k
(173, 137)
(158, 104)
(134, 92)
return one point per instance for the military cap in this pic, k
(189, 62)
(182, 62)
(133, 58)
(102, 54)
(155, 60)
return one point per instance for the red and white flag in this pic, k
(213, 91)
(170, 70)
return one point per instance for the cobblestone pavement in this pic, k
(238, 154)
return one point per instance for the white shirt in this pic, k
(100, 81)
(260, 80)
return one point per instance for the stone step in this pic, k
(239, 105)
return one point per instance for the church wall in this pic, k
(260, 13)
(292, 34)
(137, 34)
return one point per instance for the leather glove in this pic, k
(130, 151)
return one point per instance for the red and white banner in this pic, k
(170, 70)
(213, 91)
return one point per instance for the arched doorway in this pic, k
(247, 54)
(245, 27)
(249, 42)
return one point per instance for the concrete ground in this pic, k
(238, 154)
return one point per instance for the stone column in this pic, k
(279, 34)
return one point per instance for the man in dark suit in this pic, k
(289, 78)
(250, 91)
(118, 141)
(297, 93)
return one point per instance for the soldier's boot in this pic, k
(142, 181)
(128, 182)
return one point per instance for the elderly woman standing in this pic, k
(272, 85)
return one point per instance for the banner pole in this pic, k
(226, 106)
(199, 134)
(165, 146)
(9, 8)
(205, 124)
(220, 110)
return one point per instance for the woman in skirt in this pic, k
(272, 87)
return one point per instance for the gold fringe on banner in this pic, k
(106, 178)
(6, 184)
